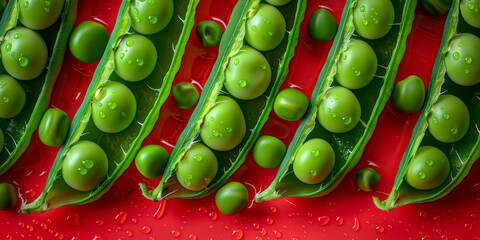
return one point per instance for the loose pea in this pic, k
(470, 12)
(373, 19)
(265, 28)
(463, 60)
(449, 120)
(339, 111)
(88, 41)
(367, 179)
(278, 3)
(185, 95)
(290, 104)
(248, 74)
(231, 198)
(84, 165)
(12, 97)
(322, 25)
(152, 16)
(38, 14)
(437, 7)
(8, 196)
(151, 161)
(53, 128)
(357, 65)
(314, 161)
(409, 94)
(269, 151)
(198, 168)
(209, 33)
(429, 168)
(135, 58)
(24, 53)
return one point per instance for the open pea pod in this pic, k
(18, 130)
(150, 93)
(461, 154)
(348, 146)
(255, 111)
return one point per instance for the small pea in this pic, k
(322, 26)
(151, 161)
(53, 128)
(314, 161)
(339, 111)
(8, 196)
(209, 33)
(470, 10)
(463, 60)
(152, 16)
(357, 65)
(278, 3)
(367, 179)
(436, 7)
(185, 95)
(409, 94)
(12, 97)
(290, 104)
(88, 41)
(429, 168)
(269, 151)
(198, 168)
(449, 119)
(38, 15)
(373, 19)
(135, 58)
(232, 198)
(266, 28)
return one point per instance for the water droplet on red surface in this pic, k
(437, 218)
(9, 237)
(21, 224)
(120, 217)
(473, 216)
(263, 232)
(73, 219)
(258, 238)
(426, 238)
(450, 211)
(273, 209)
(474, 188)
(99, 222)
(256, 226)
(269, 221)
(277, 234)
(213, 216)
(202, 210)
(310, 214)
(97, 237)
(323, 220)
(146, 229)
(175, 233)
(192, 237)
(58, 236)
(30, 228)
(43, 226)
(160, 210)
(237, 234)
(356, 225)
(128, 233)
(443, 237)
(339, 221)
(39, 238)
(380, 229)
(134, 220)
(468, 227)
(423, 214)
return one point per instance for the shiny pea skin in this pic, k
(367, 179)
(248, 74)
(84, 165)
(409, 94)
(339, 111)
(470, 12)
(232, 198)
(436, 7)
(269, 151)
(88, 41)
(278, 3)
(266, 28)
(113, 108)
(8, 196)
(290, 104)
(224, 126)
(429, 168)
(463, 60)
(198, 168)
(449, 119)
(209, 33)
(185, 95)
(151, 161)
(24, 53)
(322, 26)
(152, 16)
(357, 65)
(12, 97)
(314, 161)
(38, 15)
(373, 19)
(53, 128)
(135, 58)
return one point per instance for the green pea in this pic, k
(269, 151)
(84, 165)
(409, 94)
(463, 60)
(232, 198)
(151, 161)
(278, 3)
(373, 19)
(38, 15)
(2, 140)
(24, 53)
(12, 97)
(198, 168)
(152, 16)
(314, 161)
(185, 95)
(322, 26)
(429, 168)
(88, 41)
(113, 108)
(224, 126)
(470, 12)
(339, 111)
(53, 128)
(290, 104)
(449, 119)
(266, 28)
(209, 33)
(8, 196)
(436, 7)
(135, 58)
(248, 74)
(357, 65)
(367, 179)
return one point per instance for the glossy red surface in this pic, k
(346, 213)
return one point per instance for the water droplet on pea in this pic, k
(198, 158)
(357, 73)
(270, 33)
(152, 19)
(471, 6)
(476, 9)
(263, 67)
(468, 60)
(47, 3)
(82, 170)
(446, 116)
(99, 104)
(375, 21)
(220, 135)
(135, 11)
(375, 13)
(12, 54)
(23, 61)
(139, 61)
(112, 105)
(207, 123)
(460, 44)
(8, 47)
(345, 57)
(122, 55)
(189, 176)
(187, 183)
(456, 55)
(313, 173)
(88, 163)
(47, 9)
(137, 19)
(25, 4)
(315, 152)
(124, 114)
(254, 28)
(365, 22)
(129, 61)
(236, 62)
(6, 99)
(429, 162)
(229, 129)
(242, 83)
(212, 119)
(467, 71)
(266, 20)
(435, 120)
(421, 175)
(17, 35)
(347, 120)
(102, 114)
(362, 9)
(215, 133)
(129, 43)
(151, 2)
(454, 130)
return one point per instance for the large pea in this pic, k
(88, 41)
(198, 168)
(209, 33)
(437, 7)
(278, 3)
(231, 198)
(53, 128)
(24, 53)
(429, 168)
(38, 14)
(12, 97)
(373, 19)
(135, 58)
(84, 165)
(339, 111)
(449, 119)
(152, 16)
(114, 107)
(248, 74)
(357, 65)
(185, 95)
(266, 28)
(314, 161)
(470, 12)
(290, 104)
(409, 94)
(8, 196)
(367, 179)
(322, 25)
(151, 161)
(269, 151)
(463, 59)
(224, 127)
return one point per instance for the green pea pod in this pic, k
(19, 129)
(348, 147)
(150, 94)
(461, 154)
(256, 111)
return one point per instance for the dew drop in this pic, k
(362, 9)
(237, 234)
(213, 216)
(263, 232)
(175, 233)
(102, 115)
(347, 120)
(198, 158)
(339, 221)
(30, 193)
(471, 6)
(25, 4)
(236, 62)
(112, 105)
(8, 47)
(17, 35)
(446, 116)
(215, 133)
(135, 11)
(73, 219)
(454, 131)
(137, 19)
(129, 61)
(345, 57)
(120, 217)
(356, 225)
(467, 71)
(315, 152)
(12, 54)
(124, 114)
(375, 21)
(6, 99)
(435, 120)
(88, 163)
(192, 237)
(47, 9)
(146, 229)
(460, 44)
(429, 162)
(160, 210)
(423, 214)
(212, 119)
(270, 221)
(151, 2)
(202, 210)
(277, 234)
(357, 73)
(48, 3)
(313, 173)
(263, 67)
(187, 183)
(189, 176)
(421, 175)
(99, 223)
(456, 55)
(365, 22)
(468, 227)
(128, 233)
(129, 43)
(254, 28)
(139, 61)
(152, 19)
(266, 20)
(242, 83)
(273, 209)
(380, 229)
(468, 60)
(82, 170)
(270, 33)
(23, 61)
